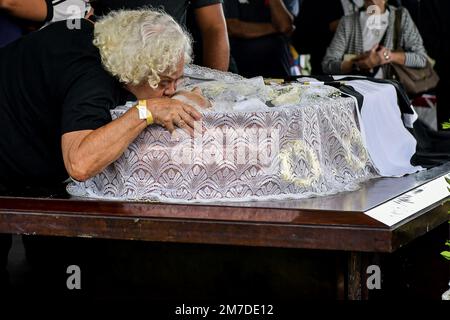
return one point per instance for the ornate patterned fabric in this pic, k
(308, 145)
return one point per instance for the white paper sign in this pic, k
(410, 203)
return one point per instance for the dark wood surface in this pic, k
(330, 223)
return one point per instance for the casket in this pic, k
(257, 142)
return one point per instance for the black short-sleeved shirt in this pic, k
(51, 82)
(176, 8)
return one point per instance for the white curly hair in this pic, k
(139, 45)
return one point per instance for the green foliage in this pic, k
(446, 254)
(446, 125)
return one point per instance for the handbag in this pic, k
(415, 80)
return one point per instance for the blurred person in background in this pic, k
(259, 32)
(361, 47)
(316, 24)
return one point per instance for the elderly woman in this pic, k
(364, 42)
(58, 85)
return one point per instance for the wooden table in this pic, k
(340, 222)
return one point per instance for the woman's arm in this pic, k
(35, 10)
(282, 19)
(87, 152)
(281, 22)
(398, 57)
(249, 30)
(415, 55)
(216, 49)
(333, 61)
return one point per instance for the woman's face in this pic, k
(380, 3)
(166, 88)
(168, 82)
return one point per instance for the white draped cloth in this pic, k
(383, 127)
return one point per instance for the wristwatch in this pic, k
(144, 113)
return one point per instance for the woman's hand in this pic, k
(368, 60)
(170, 113)
(193, 98)
(384, 55)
